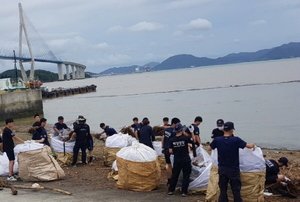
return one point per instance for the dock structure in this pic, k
(61, 92)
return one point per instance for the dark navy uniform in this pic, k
(138, 128)
(41, 133)
(196, 131)
(217, 133)
(168, 134)
(229, 165)
(110, 131)
(182, 161)
(82, 132)
(272, 170)
(8, 143)
(147, 136)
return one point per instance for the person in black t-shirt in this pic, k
(228, 161)
(41, 135)
(198, 120)
(36, 121)
(146, 133)
(135, 121)
(272, 170)
(59, 126)
(218, 132)
(8, 146)
(168, 134)
(178, 146)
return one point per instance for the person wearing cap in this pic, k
(218, 132)
(59, 126)
(146, 133)
(228, 158)
(81, 133)
(168, 134)
(8, 138)
(195, 130)
(272, 171)
(41, 135)
(178, 146)
(107, 130)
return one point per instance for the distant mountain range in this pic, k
(291, 50)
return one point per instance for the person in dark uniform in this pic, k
(135, 122)
(41, 135)
(272, 171)
(59, 126)
(166, 122)
(198, 120)
(137, 130)
(218, 132)
(229, 166)
(82, 132)
(178, 146)
(168, 134)
(36, 121)
(107, 130)
(8, 146)
(146, 133)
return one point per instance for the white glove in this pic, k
(27, 142)
(32, 141)
(287, 179)
(191, 128)
(283, 184)
(254, 147)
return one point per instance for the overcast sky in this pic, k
(110, 33)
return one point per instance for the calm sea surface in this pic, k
(261, 98)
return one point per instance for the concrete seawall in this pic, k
(19, 104)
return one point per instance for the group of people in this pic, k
(177, 139)
(180, 140)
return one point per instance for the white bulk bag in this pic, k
(4, 164)
(60, 146)
(27, 147)
(138, 153)
(158, 148)
(119, 140)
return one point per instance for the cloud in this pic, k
(177, 33)
(146, 26)
(195, 37)
(236, 41)
(198, 24)
(258, 22)
(115, 29)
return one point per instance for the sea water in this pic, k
(261, 98)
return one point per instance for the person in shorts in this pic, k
(8, 146)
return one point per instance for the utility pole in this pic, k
(16, 70)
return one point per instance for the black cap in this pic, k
(284, 161)
(228, 126)
(178, 128)
(220, 122)
(43, 120)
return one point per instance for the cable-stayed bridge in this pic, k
(32, 48)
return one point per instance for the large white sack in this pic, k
(199, 176)
(250, 161)
(138, 153)
(158, 148)
(58, 145)
(27, 147)
(119, 140)
(4, 164)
